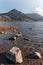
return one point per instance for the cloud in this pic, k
(39, 11)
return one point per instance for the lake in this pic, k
(32, 30)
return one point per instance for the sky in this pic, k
(25, 6)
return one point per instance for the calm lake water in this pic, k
(32, 30)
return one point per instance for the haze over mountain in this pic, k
(35, 16)
(14, 15)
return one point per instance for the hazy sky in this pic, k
(26, 6)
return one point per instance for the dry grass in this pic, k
(7, 27)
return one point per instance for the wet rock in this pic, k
(12, 38)
(18, 34)
(30, 28)
(26, 39)
(1, 32)
(15, 55)
(8, 33)
(34, 55)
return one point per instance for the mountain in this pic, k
(14, 15)
(35, 16)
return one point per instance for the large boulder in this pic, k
(34, 55)
(15, 55)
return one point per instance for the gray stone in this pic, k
(34, 55)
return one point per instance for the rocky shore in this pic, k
(22, 43)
